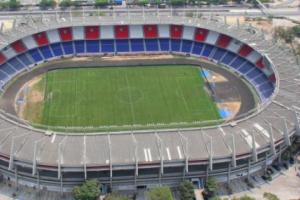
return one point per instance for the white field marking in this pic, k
(262, 130)
(168, 153)
(179, 152)
(249, 139)
(149, 154)
(222, 131)
(53, 138)
(146, 155)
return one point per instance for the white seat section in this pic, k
(78, 33)
(107, 32)
(9, 53)
(212, 37)
(253, 56)
(188, 33)
(136, 31)
(234, 46)
(53, 36)
(29, 42)
(163, 31)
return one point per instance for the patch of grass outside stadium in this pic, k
(148, 97)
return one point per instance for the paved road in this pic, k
(164, 12)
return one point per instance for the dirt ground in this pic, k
(286, 187)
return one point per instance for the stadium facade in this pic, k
(127, 160)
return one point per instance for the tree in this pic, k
(245, 197)
(101, 3)
(65, 3)
(211, 186)
(270, 196)
(143, 2)
(177, 2)
(115, 196)
(90, 190)
(160, 193)
(44, 4)
(186, 191)
(286, 34)
(14, 4)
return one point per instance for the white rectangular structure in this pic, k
(136, 31)
(53, 36)
(29, 42)
(234, 46)
(78, 33)
(253, 57)
(107, 32)
(9, 53)
(188, 33)
(163, 31)
(212, 37)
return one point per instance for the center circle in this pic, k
(129, 95)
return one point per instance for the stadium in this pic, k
(57, 157)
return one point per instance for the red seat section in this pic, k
(92, 32)
(121, 32)
(272, 78)
(223, 41)
(41, 38)
(260, 63)
(150, 31)
(245, 50)
(176, 31)
(18, 46)
(201, 34)
(2, 58)
(65, 34)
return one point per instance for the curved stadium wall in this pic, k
(139, 158)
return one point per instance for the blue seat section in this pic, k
(122, 45)
(175, 45)
(259, 80)
(228, 58)
(219, 54)
(186, 46)
(3, 76)
(7, 69)
(255, 72)
(246, 68)
(151, 44)
(164, 44)
(207, 50)
(197, 48)
(268, 93)
(45, 50)
(266, 86)
(24, 58)
(137, 45)
(92, 46)
(68, 47)
(16, 64)
(35, 54)
(79, 46)
(56, 49)
(237, 62)
(107, 46)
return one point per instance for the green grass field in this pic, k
(125, 96)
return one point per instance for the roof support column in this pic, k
(296, 121)
(229, 173)
(249, 168)
(233, 152)
(84, 157)
(110, 160)
(210, 155)
(135, 157)
(254, 152)
(286, 133)
(16, 177)
(272, 144)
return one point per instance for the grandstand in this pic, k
(140, 158)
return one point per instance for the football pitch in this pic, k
(118, 96)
